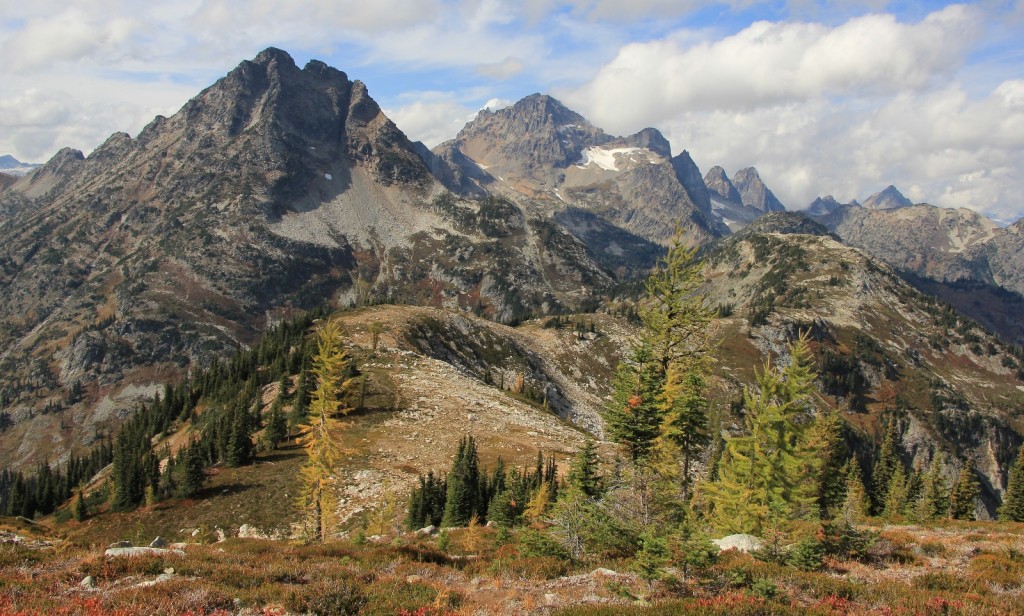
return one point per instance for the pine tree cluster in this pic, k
(504, 495)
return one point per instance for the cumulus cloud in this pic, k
(772, 63)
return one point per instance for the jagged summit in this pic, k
(888, 199)
(741, 200)
(721, 187)
(754, 193)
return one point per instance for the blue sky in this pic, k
(840, 97)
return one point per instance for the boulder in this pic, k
(741, 542)
(120, 544)
(159, 542)
(88, 583)
(427, 530)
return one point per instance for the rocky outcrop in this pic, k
(753, 193)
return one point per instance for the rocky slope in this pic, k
(949, 247)
(884, 349)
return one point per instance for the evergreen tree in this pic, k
(319, 436)
(78, 508)
(194, 471)
(885, 467)
(240, 450)
(583, 472)
(426, 503)
(895, 502)
(824, 460)
(463, 485)
(675, 315)
(964, 497)
(856, 504)
(933, 501)
(633, 418)
(1013, 500)
(685, 420)
(277, 424)
(763, 473)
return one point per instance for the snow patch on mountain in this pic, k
(608, 158)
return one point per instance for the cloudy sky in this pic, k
(840, 97)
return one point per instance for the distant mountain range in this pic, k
(12, 166)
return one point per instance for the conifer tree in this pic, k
(933, 501)
(463, 485)
(277, 424)
(964, 496)
(761, 472)
(583, 472)
(823, 460)
(633, 418)
(685, 421)
(240, 450)
(320, 435)
(194, 475)
(856, 504)
(675, 315)
(887, 464)
(79, 509)
(1012, 508)
(895, 502)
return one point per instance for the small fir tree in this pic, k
(79, 509)
(886, 466)
(1012, 508)
(895, 502)
(583, 471)
(633, 418)
(463, 486)
(933, 501)
(856, 504)
(963, 499)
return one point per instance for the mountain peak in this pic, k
(272, 54)
(721, 187)
(822, 206)
(888, 199)
(754, 193)
(653, 140)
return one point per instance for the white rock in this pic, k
(741, 542)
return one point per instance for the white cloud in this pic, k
(509, 67)
(771, 63)
(432, 118)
